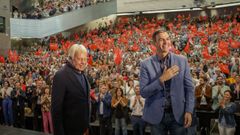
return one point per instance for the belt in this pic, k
(139, 116)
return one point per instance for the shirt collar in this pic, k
(74, 69)
(166, 58)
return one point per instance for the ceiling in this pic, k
(146, 5)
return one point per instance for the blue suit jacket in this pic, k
(106, 105)
(182, 89)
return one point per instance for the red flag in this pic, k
(204, 41)
(93, 95)
(206, 54)
(38, 52)
(214, 56)
(62, 42)
(224, 68)
(109, 41)
(223, 52)
(123, 40)
(53, 46)
(67, 45)
(117, 56)
(135, 47)
(221, 31)
(136, 30)
(222, 45)
(234, 44)
(45, 56)
(189, 17)
(223, 49)
(178, 25)
(170, 26)
(153, 49)
(93, 47)
(10, 53)
(90, 60)
(2, 60)
(235, 31)
(104, 33)
(179, 16)
(24, 87)
(205, 18)
(174, 50)
(101, 47)
(14, 57)
(124, 20)
(76, 37)
(187, 48)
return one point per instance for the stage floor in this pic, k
(5, 130)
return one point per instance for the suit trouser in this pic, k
(105, 125)
(168, 125)
(226, 131)
(204, 124)
(19, 118)
(1, 113)
(37, 118)
(8, 111)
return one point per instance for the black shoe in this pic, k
(203, 131)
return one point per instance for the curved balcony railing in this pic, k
(34, 28)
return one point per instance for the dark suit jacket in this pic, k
(21, 98)
(70, 103)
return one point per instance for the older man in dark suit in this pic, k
(70, 95)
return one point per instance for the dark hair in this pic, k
(158, 32)
(46, 87)
(205, 78)
(219, 76)
(116, 90)
(124, 72)
(231, 94)
(130, 80)
(6, 82)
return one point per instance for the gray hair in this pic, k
(75, 49)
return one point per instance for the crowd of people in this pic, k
(46, 8)
(211, 45)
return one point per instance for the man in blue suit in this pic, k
(104, 101)
(166, 83)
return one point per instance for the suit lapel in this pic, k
(172, 60)
(156, 66)
(172, 63)
(75, 80)
(88, 85)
